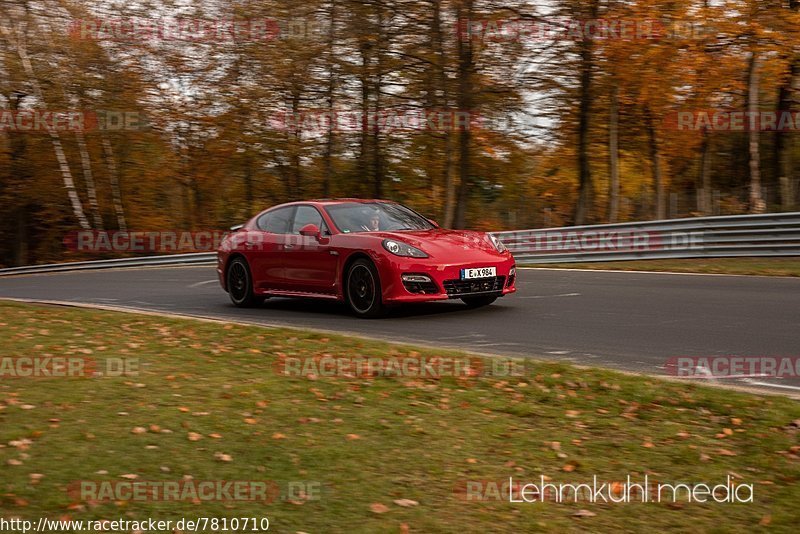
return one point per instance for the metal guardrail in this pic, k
(706, 237)
(144, 261)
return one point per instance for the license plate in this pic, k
(483, 272)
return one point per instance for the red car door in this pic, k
(311, 262)
(267, 247)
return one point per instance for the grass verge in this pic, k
(748, 266)
(389, 454)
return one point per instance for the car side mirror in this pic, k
(310, 230)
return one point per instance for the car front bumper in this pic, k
(445, 279)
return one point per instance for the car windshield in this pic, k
(352, 217)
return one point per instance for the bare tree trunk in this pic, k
(20, 171)
(465, 70)
(783, 140)
(655, 162)
(366, 123)
(448, 178)
(249, 198)
(88, 177)
(757, 204)
(113, 178)
(449, 183)
(294, 145)
(704, 181)
(63, 164)
(585, 185)
(613, 157)
(327, 172)
(377, 156)
(83, 151)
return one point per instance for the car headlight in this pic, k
(398, 248)
(497, 243)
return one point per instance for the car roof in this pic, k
(330, 201)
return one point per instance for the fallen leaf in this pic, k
(584, 513)
(378, 508)
(194, 436)
(251, 421)
(352, 437)
(278, 435)
(405, 503)
(223, 457)
(139, 430)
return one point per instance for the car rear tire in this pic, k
(363, 290)
(240, 284)
(478, 302)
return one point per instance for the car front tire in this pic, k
(363, 290)
(240, 284)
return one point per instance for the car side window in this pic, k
(276, 221)
(306, 215)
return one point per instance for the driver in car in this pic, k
(374, 222)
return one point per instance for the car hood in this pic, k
(440, 243)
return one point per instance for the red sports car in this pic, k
(370, 254)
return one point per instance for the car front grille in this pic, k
(421, 288)
(458, 288)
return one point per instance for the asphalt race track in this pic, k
(630, 321)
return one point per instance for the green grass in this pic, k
(749, 266)
(416, 439)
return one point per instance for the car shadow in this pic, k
(406, 311)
